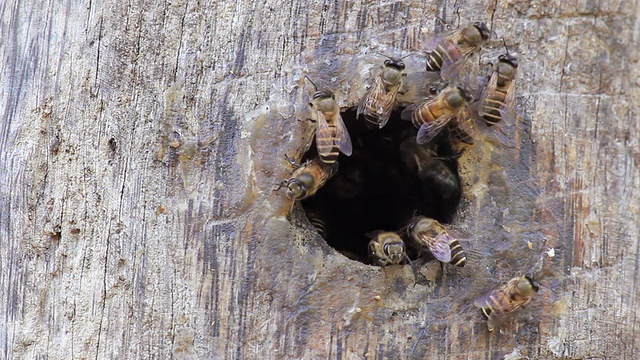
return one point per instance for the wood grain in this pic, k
(140, 142)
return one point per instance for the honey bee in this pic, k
(506, 299)
(332, 136)
(307, 178)
(449, 107)
(387, 248)
(498, 96)
(429, 233)
(437, 175)
(377, 105)
(448, 51)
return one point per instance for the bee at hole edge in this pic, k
(332, 137)
(380, 100)
(387, 248)
(307, 178)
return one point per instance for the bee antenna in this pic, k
(291, 161)
(505, 46)
(457, 11)
(280, 185)
(381, 54)
(312, 83)
(441, 23)
(408, 260)
(390, 58)
(413, 270)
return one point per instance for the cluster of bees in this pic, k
(452, 107)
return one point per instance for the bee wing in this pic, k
(452, 67)
(484, 300)
(408, 111)
(368, 100)
(331, 170)
(433, 39)
(486, 90)
(343, 140)
(496, 315)
(388, 100)
(441, 251)
(507, 110)
(428, 131)
(465, 126)
(323, 144)
(378, 103)
(439, 248)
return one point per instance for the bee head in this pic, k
(509, 59)
(482, 28)
(394, 251)
(395, 63)
(528, 285)
(296, 189)
(462, 91)
(324, 101)
(323, 94)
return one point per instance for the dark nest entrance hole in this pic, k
(386, 180)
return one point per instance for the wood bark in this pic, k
(140, 143)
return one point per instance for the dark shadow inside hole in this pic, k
(386, 180)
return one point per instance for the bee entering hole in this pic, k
(388, 179)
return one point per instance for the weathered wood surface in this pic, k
(140, 142)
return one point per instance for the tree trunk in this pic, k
(141, 143)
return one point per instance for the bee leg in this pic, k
(457, 11)
(450, 157)
(281, 185)
(413, 270)
(434, 89)
(505, 46)
(416, 274)
(312, 83)
(382, 268)
(416, 265)
(442, 22)
(292, 161)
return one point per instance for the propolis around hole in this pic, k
(386, 181)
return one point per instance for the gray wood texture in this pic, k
(140, 142)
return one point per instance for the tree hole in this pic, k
(387, 180)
